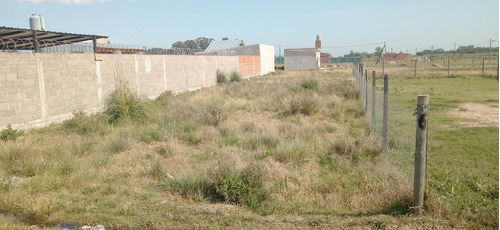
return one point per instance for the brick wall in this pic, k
(38, 89)
(249, 65)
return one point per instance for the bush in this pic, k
(221, 77)
(82, 124)
(192, 186)
(214, 114)
(118, 144)
(306, 104)
(310, 84)
(124, 104)
(235, 77)
(10, 134)
(242, 187)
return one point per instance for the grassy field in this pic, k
(287, 150)
(463, 137)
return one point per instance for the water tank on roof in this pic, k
(37, 22)
(318, 37)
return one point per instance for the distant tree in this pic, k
(191, 44)
(378, 51)
(200, 43)
(203, 42)
(225, 39)
(178, 44)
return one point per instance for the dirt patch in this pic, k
(483, 115)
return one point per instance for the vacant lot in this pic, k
(289, 150)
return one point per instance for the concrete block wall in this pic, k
(38, 89)
(300, 59)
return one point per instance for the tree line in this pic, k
(470, 49)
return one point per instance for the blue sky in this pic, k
(402, 24)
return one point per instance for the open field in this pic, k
(287, 150)
(463, 136)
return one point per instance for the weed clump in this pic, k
(214, 114)
(306, 104)
(242, 187)
(235, 77)
(310, 84)
(224, 184)
(83, 124)
(10, 134)
(124, 104)
(221, 77)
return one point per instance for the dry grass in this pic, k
(232, 156)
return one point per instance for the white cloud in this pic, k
(66, 1)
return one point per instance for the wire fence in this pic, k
(392, 122)
(52, 46)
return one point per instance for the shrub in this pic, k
(124, 104)
(214, 114)
(346, 89)
(306, 104)
(192, 186)
(235, 77)
(221, 77)
(10, 134)
(243, 187)
(118, 144)
(310, 84)
(83, 124)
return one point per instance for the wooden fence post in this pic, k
(482, 68)
(420, 180)
(415, 68)
(386, 113)
(448, 66)
(366, 91)
(374, 89)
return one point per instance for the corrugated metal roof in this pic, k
(224, 44)
(9, 36)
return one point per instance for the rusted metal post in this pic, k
(420, 180)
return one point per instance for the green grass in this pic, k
(252, 154)
(463, 159)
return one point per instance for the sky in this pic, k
(358, 25)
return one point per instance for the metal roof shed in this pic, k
(224, 44)
(26, 39)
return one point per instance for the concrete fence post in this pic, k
(420, 180)
(385, 114)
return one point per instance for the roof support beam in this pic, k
(35, 39)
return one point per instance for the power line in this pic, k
(338, 47)
(350, 46)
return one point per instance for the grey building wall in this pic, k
(41, 88)
(300, 59)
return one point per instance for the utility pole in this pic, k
(454, 47)
(279, 47)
